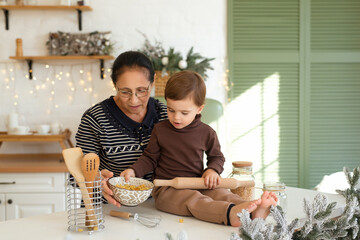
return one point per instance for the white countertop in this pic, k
(54, 226)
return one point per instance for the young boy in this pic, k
(176, 149)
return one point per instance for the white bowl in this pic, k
(130, 197)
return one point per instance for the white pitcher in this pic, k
(12, 122)
(56, 128)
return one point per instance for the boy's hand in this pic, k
(128, 173)
(211, 178)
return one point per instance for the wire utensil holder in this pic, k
(77, 218)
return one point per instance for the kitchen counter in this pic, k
(54, 226)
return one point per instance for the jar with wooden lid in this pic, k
(242, 171)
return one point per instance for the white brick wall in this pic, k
(176, 23)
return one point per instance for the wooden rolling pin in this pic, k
(198, 183)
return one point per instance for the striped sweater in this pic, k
(118, 140)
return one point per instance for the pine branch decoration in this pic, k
(318, 224)
(172, 61)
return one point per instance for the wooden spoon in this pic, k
(90, 167)
(73, 157)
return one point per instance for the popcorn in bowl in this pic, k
(130, 193)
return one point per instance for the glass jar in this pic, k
(279, 189)
(242, 171)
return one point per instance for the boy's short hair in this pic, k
(182, 84)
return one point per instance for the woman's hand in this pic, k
(211, 178)
(128, 173)
(107, 193)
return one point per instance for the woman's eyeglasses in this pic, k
(139, 92)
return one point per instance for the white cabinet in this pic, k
(30, 194)
(2, 207)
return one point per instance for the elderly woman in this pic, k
(118, 129)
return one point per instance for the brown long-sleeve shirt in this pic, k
(175, 152)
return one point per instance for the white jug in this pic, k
(56, 127)
(12, 122)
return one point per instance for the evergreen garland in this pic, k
(318, 223)
(197, 63)
(156, 53)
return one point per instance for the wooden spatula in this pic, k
(90, 167)
(73, 157)
(198, 183)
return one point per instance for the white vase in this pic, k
(12, 122)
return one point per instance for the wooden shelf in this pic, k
(61, 57)
(35, 162)
(63, 139)
(79, 9)
(30, 60)
(30, 163)
(45, 7)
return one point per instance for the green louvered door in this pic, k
(294, 105)
(334, 119)
(263, 115)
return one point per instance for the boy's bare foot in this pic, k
(263, 209)
(250, 206)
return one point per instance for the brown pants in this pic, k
(207, 205)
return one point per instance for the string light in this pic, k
(46, 79)
(82, 82)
